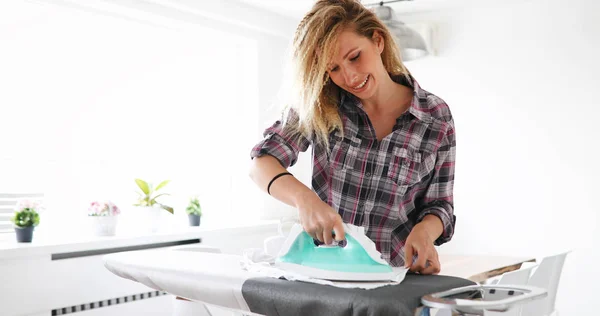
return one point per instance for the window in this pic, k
(91, 101)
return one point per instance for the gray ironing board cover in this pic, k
(272, 297)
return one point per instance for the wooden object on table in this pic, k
(479, 268)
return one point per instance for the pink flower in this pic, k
(106, 208)
(28, 204)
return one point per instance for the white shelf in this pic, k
(46, 245)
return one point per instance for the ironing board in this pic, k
(217, 279)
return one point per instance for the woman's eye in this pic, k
(355, 57)
(334, 69)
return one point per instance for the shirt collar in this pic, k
(418, 106)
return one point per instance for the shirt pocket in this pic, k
(405, 169)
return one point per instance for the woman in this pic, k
(383, 149)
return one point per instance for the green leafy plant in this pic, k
(26, 218)
(148, 195)
(194, 207)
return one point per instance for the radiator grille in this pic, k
(105, 303)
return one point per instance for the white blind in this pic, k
(8, 201)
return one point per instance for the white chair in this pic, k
(517, 277)
(8, 201)
(547, 276)
(543, 276)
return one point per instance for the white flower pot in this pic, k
(104, 225)
(149, 217)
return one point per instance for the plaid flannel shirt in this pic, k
(386, 186)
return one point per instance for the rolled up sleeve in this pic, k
(281, 142)
(439, 200)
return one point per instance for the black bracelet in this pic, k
(275, 178)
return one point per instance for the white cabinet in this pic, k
(42, 286)
(52, 278)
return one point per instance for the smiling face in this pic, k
(357, 66)
(315, 81)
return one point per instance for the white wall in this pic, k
(520, 78)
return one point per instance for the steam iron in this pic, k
(353, 259)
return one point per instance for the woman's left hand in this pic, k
(419, 243)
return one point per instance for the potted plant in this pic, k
(26, 218)
(194, 211)
(147, 201)
(103, 216)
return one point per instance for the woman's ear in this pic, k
(379, 42)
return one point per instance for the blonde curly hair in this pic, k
(315, 97)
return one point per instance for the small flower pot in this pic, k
(104, 225)
(150, 218)
(24, 234)
(194, 219)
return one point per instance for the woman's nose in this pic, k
(351, 78)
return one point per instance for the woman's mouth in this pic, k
(362, 85)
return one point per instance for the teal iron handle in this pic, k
(342, 243)
(335, 243)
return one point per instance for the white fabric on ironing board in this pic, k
(256, 260)
(212, 278)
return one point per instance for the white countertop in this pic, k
(46, 244)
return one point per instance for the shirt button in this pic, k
(368, 175)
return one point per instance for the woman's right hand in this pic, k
(319, 220)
